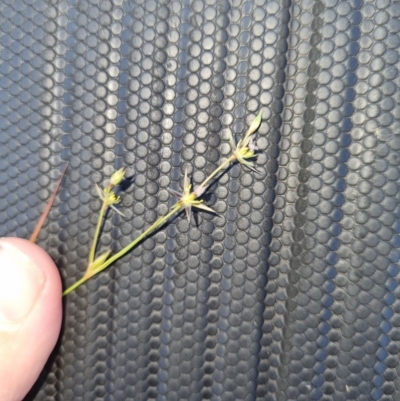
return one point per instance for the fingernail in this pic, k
(21, 283)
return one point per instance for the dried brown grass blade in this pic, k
(46, 211)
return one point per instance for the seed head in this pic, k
(117, 177)
(188, 199)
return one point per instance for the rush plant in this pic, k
(243, 152)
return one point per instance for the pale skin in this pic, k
(30, 315)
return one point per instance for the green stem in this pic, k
(123, 251)
(142, 236)
(204, 184)
(97, 233)
(74, 286)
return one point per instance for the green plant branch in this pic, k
(241, 152)
(74, 286)
(176, 209)
(90, 273)
(206, 182)
(103, 210)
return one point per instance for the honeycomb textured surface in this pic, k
(292, 291)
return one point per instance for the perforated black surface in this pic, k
(291, 293)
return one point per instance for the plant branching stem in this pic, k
(97, 232)
(153, 227)
(158, 223)
(74, 286)
(205, 183)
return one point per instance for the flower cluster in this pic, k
(187, 199)
(246, 148)
(107, 195)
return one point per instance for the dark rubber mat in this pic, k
(291, 292)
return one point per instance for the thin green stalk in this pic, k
(158, 223)
(204, 184)
(74, 286)
(177, 207)
(97, 232)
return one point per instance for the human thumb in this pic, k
(30, 315)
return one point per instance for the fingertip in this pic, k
(30, 314)
(39, 257)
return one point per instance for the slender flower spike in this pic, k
(242, 153)
(246, 148)
(187, 199)
(255, 125)
(117, 177)
(109, 197)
